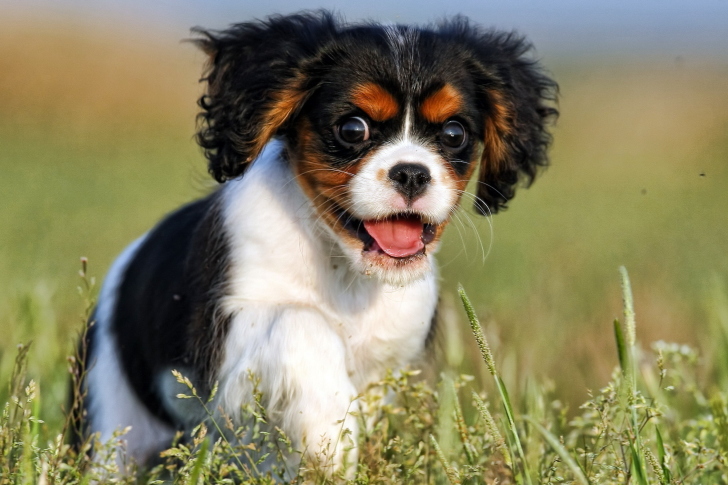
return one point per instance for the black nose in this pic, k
(410, 179)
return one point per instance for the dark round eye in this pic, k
(353, 130)
(453, 135)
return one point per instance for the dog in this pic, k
(342, 151)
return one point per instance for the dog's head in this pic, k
(384, 125)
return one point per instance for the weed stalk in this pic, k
(490, 363)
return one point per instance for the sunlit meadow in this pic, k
(96, 144)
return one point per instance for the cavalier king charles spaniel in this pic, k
(342, 151)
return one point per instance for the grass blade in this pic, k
(655, 465)
(512, 427)
(490, 364)
(199, 460)
(462, 428)
(628, 362)
(628, 301)
(492, 428)
(452, 474)
(477, 331)
(631, 327)
(621, 348)
(662, 456)
(562, 452)
(638, 466)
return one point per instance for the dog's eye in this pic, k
(453, 135)
(353, 130)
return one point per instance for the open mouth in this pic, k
(399, 236)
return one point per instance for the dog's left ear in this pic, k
(517, 100)
(256, 83)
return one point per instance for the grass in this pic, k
(633, 430)
(96, 145)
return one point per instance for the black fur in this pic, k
(163, 319)
(502, 60)
(249, 64)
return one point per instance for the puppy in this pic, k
(342, 152)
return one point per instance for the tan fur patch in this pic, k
(285, 102)
(327, 187)
(442, 104)
(497, 127)
(375, 101)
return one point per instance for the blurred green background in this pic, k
(96, 144)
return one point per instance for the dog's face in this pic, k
(384, 125)
(385, 152)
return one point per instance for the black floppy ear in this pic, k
(518, 102)
(256, 82)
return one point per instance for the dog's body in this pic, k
(314, 271)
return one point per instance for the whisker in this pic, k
(456, 218)
(477, 199)
(495, 190)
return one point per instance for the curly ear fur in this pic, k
(517, 100)
(256, 83)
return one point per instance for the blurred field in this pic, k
(96, 144)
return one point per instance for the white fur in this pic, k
(407, 124)
(112, 404)
(315, 330)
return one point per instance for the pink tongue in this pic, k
(398, 238)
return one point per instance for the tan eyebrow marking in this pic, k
(442, 104)
(375, 101)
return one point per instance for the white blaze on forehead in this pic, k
(407, 129)
(402, 41)
(374, 195)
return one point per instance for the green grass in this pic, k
(634, 430)
(638, 178)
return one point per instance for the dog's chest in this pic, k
(378, 326)
(385, 329)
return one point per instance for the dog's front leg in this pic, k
(301, 363)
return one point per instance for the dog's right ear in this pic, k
(256, 83)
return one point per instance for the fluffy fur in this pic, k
(342, 151)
